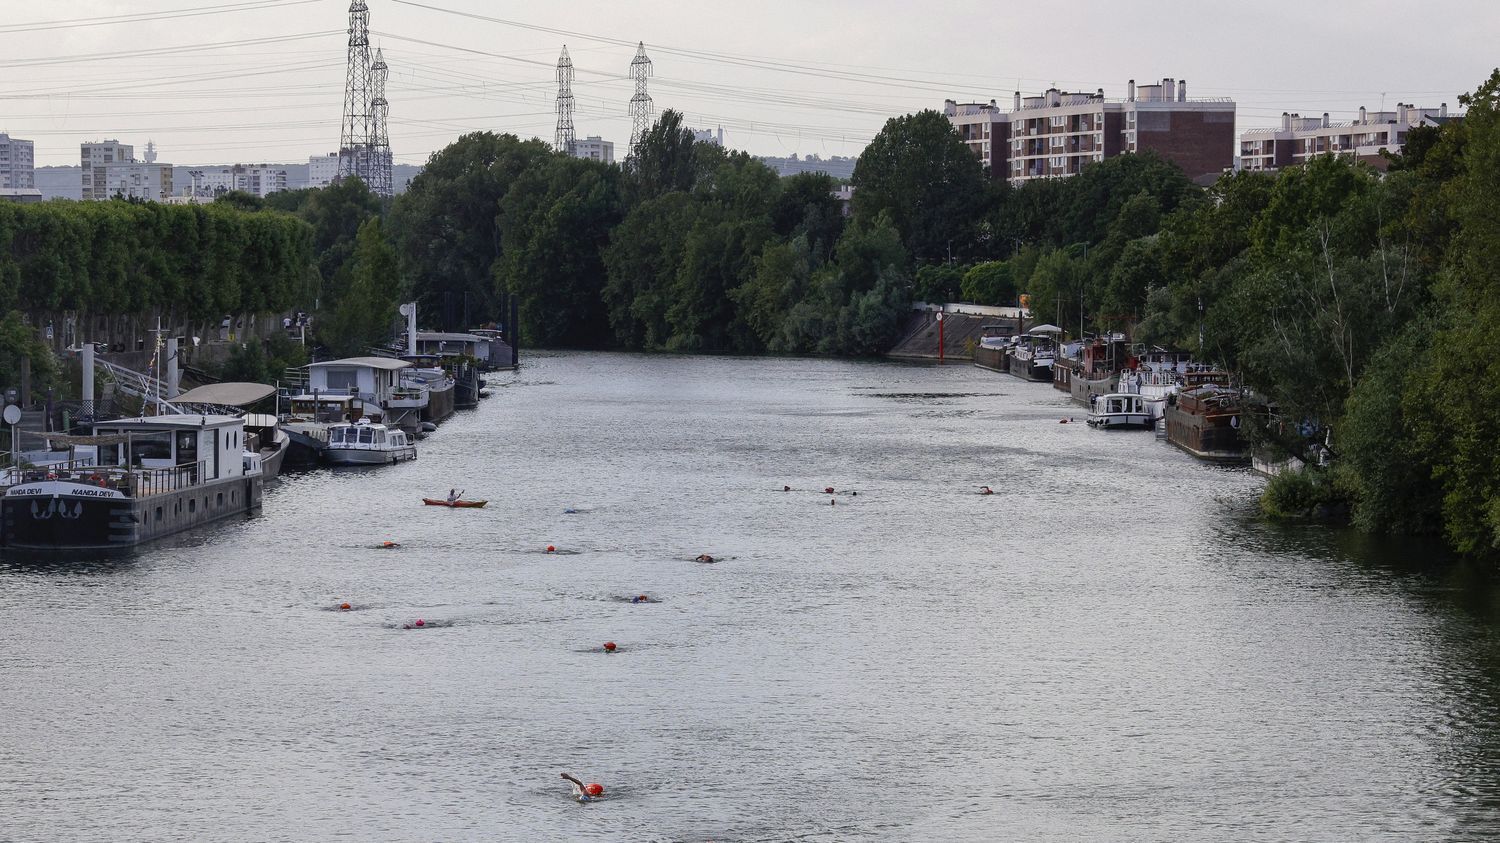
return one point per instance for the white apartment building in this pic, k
(713, 136)
(1301, 138)
(136, 180)
(1058, 133)
(95, 157)
(17, 163)
(594, 149)
(322, 170)
(262, 180)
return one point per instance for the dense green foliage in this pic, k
(195, 262)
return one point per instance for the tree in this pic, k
(919, 173)
(991, 283)
(365, 315)
(445, 225)
(555, 222)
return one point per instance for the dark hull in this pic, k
(46, 523)
(991, 358)
(1025, 369)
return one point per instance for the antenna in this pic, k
(354, 143)
(380, 140)
(565, 134)
(641, 115)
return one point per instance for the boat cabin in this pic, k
(433, 343)
(207, 446)
(328, 409)
(373, 379)
(371, 436)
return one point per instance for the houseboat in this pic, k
(1120, 411)
(1205, 422)
(364, 443)
(994, 347)
(1032, 356)
(263, 434)
(382, 393)
(132, 481)
(1098, 372)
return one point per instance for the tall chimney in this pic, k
(1130, 91)
(1182, 90)
(1017, 106)
(1444, 111)
(1362, 118)
(1286, 121)
(1325, 119)
(174, 370)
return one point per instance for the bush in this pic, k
(1304, 495)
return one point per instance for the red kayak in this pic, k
(455, 504)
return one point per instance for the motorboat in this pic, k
(1118, 410)
(366, 443)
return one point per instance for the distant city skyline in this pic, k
(263, 80)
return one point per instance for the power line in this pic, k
(142, 17)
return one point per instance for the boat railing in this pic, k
(132, 482)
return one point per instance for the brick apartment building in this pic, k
(1058, 133)
(1300, 138)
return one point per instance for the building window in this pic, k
(1059, 120)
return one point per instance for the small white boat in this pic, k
(364, 443)
(1120, 410)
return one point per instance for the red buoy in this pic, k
(344, 607)
(421, 623)
(609, 646)
(551, 549)
(594, 789)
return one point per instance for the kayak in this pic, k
(455, 504)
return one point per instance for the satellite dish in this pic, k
(12, 414)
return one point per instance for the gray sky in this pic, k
(779, 76)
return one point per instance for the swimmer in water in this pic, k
(986, 490)
(584, 792)
(704, 557)
(786, 488)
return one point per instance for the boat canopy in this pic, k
(227, 394)
(1042, 330)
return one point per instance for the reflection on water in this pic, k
(1110, 647)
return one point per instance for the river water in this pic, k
(1111, 647)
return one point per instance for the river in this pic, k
(1111, 647)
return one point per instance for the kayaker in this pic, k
(452, 496)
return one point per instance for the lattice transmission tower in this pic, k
(354, 139)
(566, 137)
(380, 138)
(641, 115)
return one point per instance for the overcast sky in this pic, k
(780, 76)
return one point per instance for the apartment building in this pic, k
(322, 169)
(17, 163)
(261, 180)
(135, 180)
(594, 148)
(95, 158)
(1299, 138)
(1058, 133)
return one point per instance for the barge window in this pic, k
(192, 505)
(366, 436)
(221, 500)
(158, 513)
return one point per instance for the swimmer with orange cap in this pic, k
(585, 792)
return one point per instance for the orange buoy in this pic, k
(344, 607)
(594, 789)
(389, 544)
(609, 646)
(551, 549)
(642, 599)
